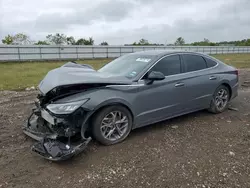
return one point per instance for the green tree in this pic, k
(80, 41)
(58, 39)
(71, 40)
(41, 42)
(18, 39)
(104, 43)
(21, 39)
(179, 41)
(143, 42)
(248, 42)
(206, 41)
(8, 39)
(90, 41)
(83, 41)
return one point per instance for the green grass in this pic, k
(18, 76)
(236, 60)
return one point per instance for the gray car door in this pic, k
(161, 99)
(200, 82)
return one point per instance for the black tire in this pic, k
(98, 119)
(214, 108)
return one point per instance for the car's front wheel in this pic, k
(111, 124)
(220, 100)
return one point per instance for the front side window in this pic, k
(194, 62)
(170, 65)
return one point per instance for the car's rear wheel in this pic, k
(112, 125)
(220, 100)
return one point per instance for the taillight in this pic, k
(237, 72)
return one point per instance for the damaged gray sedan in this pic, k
(77, 103)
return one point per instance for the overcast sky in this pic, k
(126, 21)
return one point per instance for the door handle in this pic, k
(212, 78)
(179, 84)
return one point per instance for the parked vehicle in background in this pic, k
(135, 90)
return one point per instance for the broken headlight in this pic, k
(65, 108)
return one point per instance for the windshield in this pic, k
(129, 65)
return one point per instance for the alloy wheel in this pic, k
(221, 99)
(114, 125)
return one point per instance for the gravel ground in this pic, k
(195, 150)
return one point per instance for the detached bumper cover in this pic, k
(58, 151)
(49, 145)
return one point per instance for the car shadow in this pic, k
(180, 121)
(138, 132)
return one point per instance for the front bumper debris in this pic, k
(55, 150)
(50, 145)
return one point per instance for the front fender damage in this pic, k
(60, 137)
(56, 143)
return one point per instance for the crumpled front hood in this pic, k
(75, 74)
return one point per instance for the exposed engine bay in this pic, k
(59, 138)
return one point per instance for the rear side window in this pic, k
(210, 63)
(169, 65)
(194, 62)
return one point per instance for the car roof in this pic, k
(163, 52)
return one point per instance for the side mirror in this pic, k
(155, 75)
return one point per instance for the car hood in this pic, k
(73, 74)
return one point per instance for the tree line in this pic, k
(61, 39)
(51, 39)
(180, 41)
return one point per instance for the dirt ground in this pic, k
(195, 150)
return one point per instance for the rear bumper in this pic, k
(234, 91)
(51, 144)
